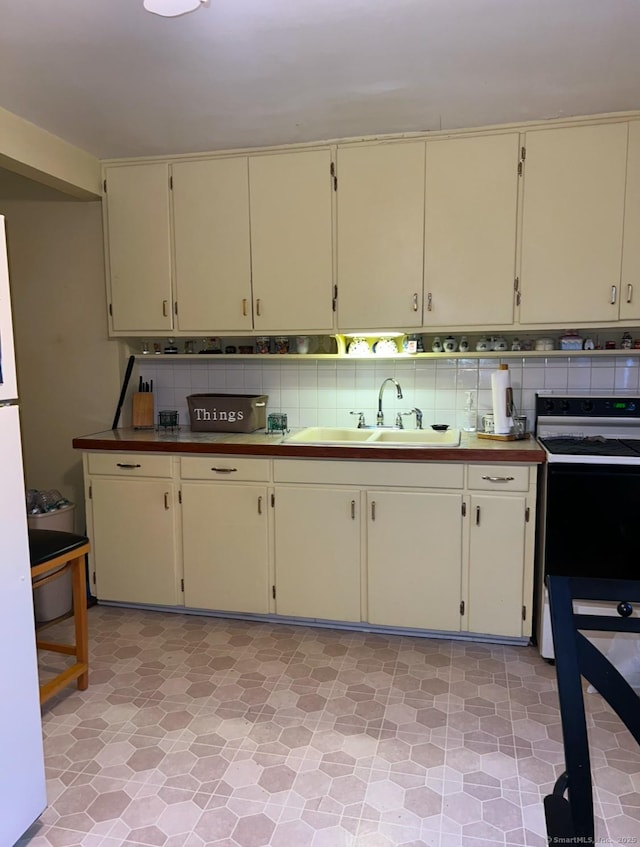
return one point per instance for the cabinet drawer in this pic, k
(404, 474)
(129, 464)
(221, 468)
(499, 477)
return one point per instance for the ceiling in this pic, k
(118, 82)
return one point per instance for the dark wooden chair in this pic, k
(54, 553)
(570, 819)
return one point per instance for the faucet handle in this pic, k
(399, 423)
(361, 421)
(418, 413)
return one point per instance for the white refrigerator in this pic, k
(22, 782)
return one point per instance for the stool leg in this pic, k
(79, 589)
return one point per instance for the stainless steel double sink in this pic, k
(374, 437)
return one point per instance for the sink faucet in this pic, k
(380, 416)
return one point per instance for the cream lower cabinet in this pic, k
(496, 557)
(501, 515)
(317, 552)
(133, 523)
(225, 531)
(414, 555)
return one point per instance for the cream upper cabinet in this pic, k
(380, 226)
(630, 282)
(574, 194)
(225, 546)
(139, 252)
(212, 251)
(414, 559)
(470, 230)
(291, 240)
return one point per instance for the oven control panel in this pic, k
(587, 407)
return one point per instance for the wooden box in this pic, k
(227, 412)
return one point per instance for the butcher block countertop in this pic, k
(471, 449)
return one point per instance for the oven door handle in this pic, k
(498, 478)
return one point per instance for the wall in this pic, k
(68, 370)
(323, 392)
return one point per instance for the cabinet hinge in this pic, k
(527, 514)
(104, 185)
(171, 182)
(516, 284)
(524, 613)
(334, 299)
(523, 153)
(180, 497)
(90, 493)
(93, 577)
(520, 168)
(273, 591)
(462, 607)
(175, 307)
(182, 585)
(111, 309)
(334, 176)
(464, 510)
(273, 502)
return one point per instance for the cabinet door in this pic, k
(291, 240)
(470, 230)
(496, 564)
(630, 287)
(137, 210)
(225, 547)
(380, 235)
(134, 540)
(574, 184)
(212, 252)
(317, 551)
(414, 541)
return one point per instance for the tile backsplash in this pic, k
(324, 392)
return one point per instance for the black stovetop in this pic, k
(592, 445)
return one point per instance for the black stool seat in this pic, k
(46, 544)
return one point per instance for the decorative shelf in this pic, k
(490, 354)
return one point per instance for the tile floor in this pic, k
(199, 731)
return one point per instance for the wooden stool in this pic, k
(53, 553)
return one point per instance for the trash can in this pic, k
(54, 599)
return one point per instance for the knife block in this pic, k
(142, 410)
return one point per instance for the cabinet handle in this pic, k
(477, 515)
(429, 302)
(258, 312)
(415, 302)
(614, 294)
(353, 510)
(498, 478)
(244, 307)
(629, 293)
(224, 470)
(259, 505)
(165, 308)
(166, 499)
(121, 465)
(373, 510)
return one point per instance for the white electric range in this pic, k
(590, 494)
